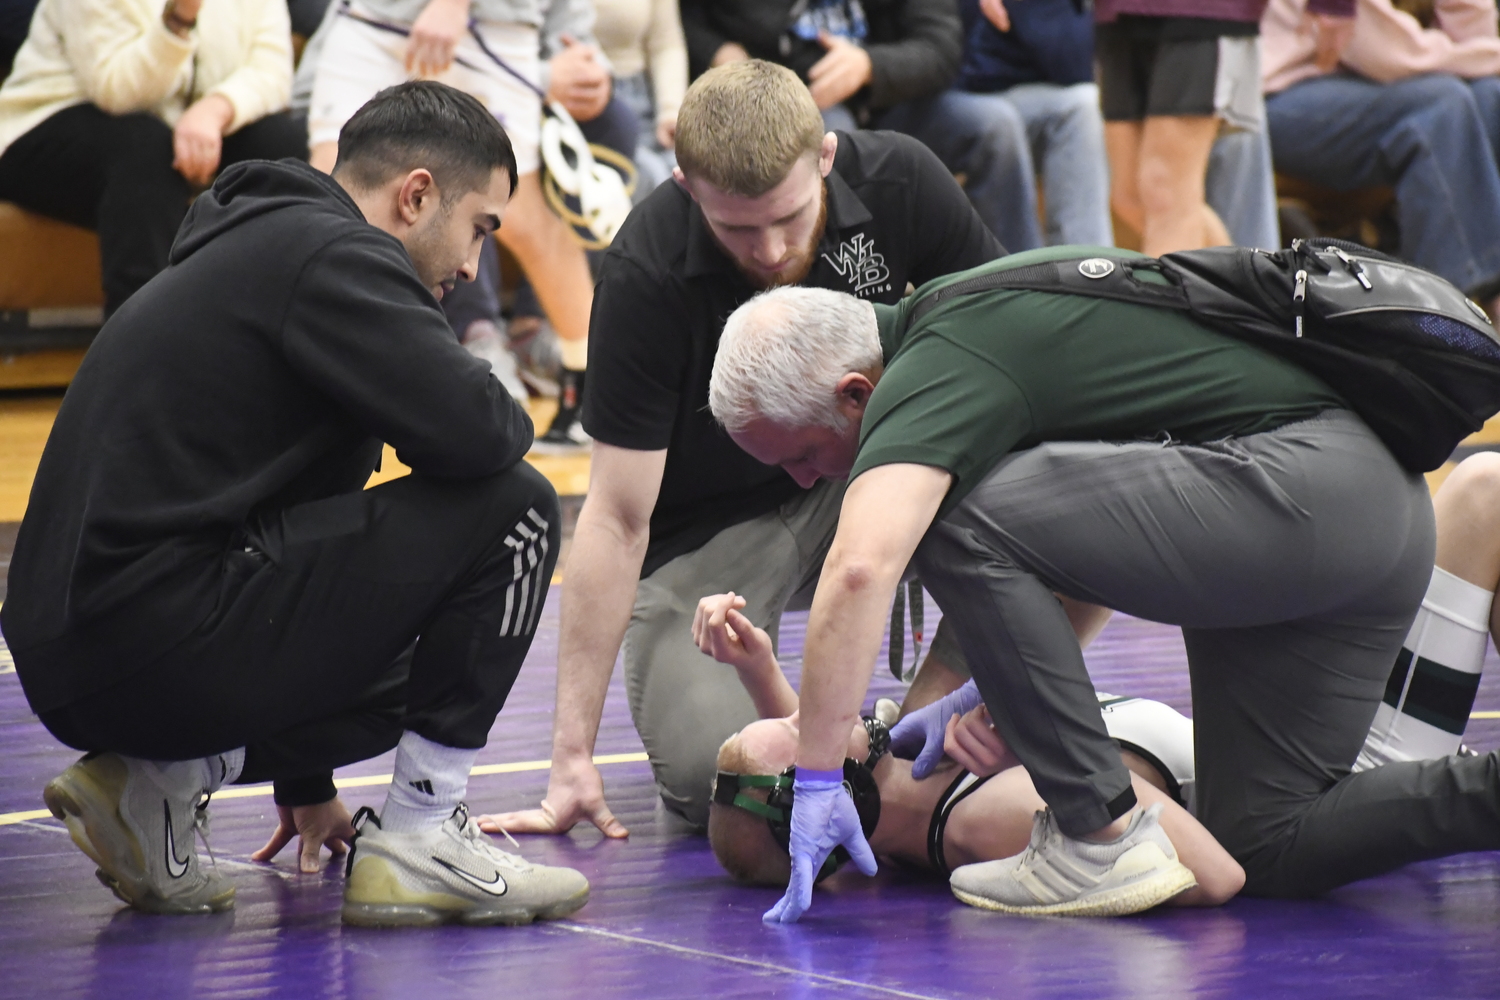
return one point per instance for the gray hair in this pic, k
(782, 354)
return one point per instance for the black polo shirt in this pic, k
(895, 215)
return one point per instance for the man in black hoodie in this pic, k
(203, 593)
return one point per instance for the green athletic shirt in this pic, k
(993, 372)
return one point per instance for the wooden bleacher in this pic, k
(51, 298)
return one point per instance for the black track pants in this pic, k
(343, 622)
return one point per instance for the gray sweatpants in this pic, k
(685, 703)
(1294, 561)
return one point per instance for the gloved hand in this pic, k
(919, 736)
(823, 817)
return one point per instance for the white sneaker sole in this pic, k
(1120, 901)
(414, 915)
(94, 823)
(540, 447)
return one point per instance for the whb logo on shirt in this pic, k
(857, 261)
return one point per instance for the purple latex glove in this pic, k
(919, 736)
(823, 817)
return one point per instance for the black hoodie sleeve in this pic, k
(362, 329)
(918, 53)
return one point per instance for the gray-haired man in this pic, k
(1163, 469)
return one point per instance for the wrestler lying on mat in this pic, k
(953, 819)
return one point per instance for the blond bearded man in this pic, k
(764, 197)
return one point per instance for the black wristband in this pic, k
(312, 790)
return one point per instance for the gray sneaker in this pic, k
(136, 819)
(1059, 876)
(453, 874)
(485, 341)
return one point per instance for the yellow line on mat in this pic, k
(1484, 715)
(251, 791)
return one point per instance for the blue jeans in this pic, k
(981, 136)
(1434, 138)
(1066, 133)
(653, 162)
(1241, 188)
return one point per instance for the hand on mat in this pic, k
(729, 637)
(324, 825)
(823, 817)
(434, 35)
(842, 71)
(575, 792)
(579, 80)
(971, 740)
(198, 138)
(919, 736)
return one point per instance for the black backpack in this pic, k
(1415, 358)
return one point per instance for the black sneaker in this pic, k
(566, 436)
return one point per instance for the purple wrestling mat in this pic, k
(664, 922)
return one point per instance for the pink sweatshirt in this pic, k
(1387, 44)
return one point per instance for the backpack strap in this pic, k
(1097, 277)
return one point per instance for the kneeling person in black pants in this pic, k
(202, 593)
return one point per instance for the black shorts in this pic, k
(1149, 66)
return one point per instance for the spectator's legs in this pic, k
(982, 137)
(1241, 189)
(1171, 163)
(1486, 91)
(653, 162)
(109, 173)
(1066, 133)
(1424, 135)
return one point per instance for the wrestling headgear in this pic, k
(859, 782)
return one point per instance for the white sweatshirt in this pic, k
(118, 55)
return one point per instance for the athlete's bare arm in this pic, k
(598, 592)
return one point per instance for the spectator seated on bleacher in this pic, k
(116, 110)
(643, 41)
(1036, 60)
(1413, 107)
(887, 64)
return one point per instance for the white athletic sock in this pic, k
(1436, 676)
(575, 353)
(429, 783)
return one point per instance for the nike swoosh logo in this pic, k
(495, 886)
(175, 868)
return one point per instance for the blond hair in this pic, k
(742, 127)
(741, 840)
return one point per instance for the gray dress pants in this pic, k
(685, 704)
(1294, 561)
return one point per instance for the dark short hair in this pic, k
(428, 125)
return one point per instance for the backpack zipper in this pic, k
(1299, 298)
(1354, 267)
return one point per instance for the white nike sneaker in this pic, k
(453, 874)
(136, 819)
(1059, 876)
